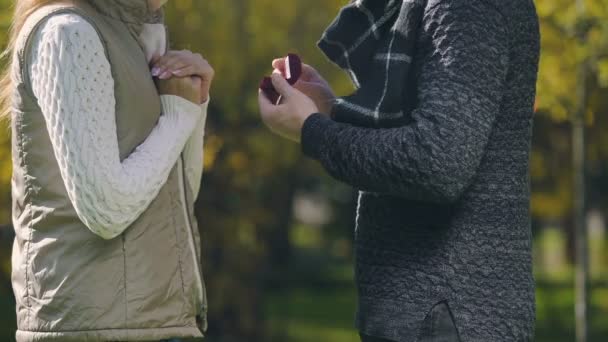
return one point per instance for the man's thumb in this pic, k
(281, 85)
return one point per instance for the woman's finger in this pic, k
(166, 61)
(179, 64)
(186, 71)
(169, 61)
(169, 68)
(154, 60)
(159, 66)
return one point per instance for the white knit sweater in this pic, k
(72, 80)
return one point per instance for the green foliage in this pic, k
(5, 152)
(568, 39)
(251, 176)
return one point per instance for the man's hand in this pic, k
(185, 63)
(188, 87)
(287, 118)
(312, 84)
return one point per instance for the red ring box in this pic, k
(293, 72)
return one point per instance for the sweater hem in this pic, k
(392, 320)
(109, 335)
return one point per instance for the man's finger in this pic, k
(267, 108)
(308, 73)
(305, 86)
(279, 63)
(270, 112)
(281, 85)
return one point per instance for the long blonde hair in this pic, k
(23, 9)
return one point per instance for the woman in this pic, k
(105, 173)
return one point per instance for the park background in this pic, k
(277, 231)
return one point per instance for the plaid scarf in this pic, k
(373, 41)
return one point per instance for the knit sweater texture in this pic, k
(443, 210)
(72, 80)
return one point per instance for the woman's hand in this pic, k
(188, 87)
(185, 63)
(312, 84)
(287, 118)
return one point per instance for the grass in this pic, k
(324, 311)
(316, 300)
(312, 314)
(555, 313)
(326, 314)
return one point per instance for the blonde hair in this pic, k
(23, 9)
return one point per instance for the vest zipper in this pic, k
(182, 189)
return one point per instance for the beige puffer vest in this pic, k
(69, 284)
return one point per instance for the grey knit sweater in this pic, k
(444, 205)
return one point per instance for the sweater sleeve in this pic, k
(194, 153)
(71, 78)
(463, 71)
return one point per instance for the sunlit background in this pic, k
(278, 232)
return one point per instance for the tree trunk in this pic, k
(578, 154)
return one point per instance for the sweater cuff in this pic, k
(205, 104)
(313, 135)
(175, 105)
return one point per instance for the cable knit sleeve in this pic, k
(194, 153)
(464, 57)
(79, 108)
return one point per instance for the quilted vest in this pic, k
(69, 284)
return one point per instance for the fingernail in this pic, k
(164, 75)
(177, 72)
(155, 71)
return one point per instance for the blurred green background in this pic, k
(278, 231)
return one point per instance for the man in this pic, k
(437, 139)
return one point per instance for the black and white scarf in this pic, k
(374, 41)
